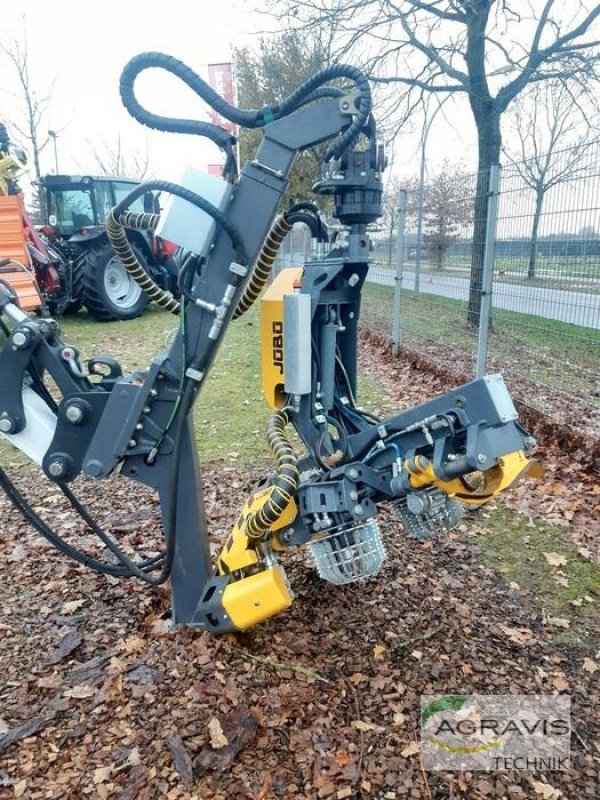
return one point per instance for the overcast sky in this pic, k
(86, 107)
(85, 48)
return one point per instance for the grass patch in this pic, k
(230, 415)
(564, 352)
(515, 549)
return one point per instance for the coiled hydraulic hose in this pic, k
(264, 263)
(252, 118)
(115, 230)
(283, 224)
(285, 483)
(119, 219)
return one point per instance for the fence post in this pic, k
(487, 278)
(398, 276)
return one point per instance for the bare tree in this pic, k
(461, 46)
(31, 127)
(391, 194)
(116, 160)
(448, 207)
(554, 128)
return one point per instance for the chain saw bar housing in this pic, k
(428, 462)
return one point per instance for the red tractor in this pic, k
(68, 262)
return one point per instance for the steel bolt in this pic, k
(57, 468)
(94, 468)
(139, 427)
(74, 414)
(481, 458)
(358, 509)
(20, 339)
(353, 473)
(153, 393)
(132, 443)
(6, 425)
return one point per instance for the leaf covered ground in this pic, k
(99, 699)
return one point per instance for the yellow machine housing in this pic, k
(271, 328)
(509, 468)
(257, 597)
(254, 598)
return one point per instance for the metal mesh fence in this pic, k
(440, 234)
(543, 248)
(538, 248)
(546, 294)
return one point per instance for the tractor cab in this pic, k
(76, 203)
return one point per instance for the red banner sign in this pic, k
(220, 77)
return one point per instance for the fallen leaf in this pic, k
(547, 792)
(28, 728)
(559, 683)
(19, 788)
(555, 559)
(399, 718)
(558, 622)
(240, 728)
(410, 750)
(378, 652)
(217, 737)
(69, 642)
(80, 692)
(101, 775)
(517, 635)
(72, 605)
(589, 665)
(360, 725)
(181, 759)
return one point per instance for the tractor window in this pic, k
(104, 200)
(122, 190)
(72, 208)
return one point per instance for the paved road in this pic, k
(579, 308)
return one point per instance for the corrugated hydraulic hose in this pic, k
(285, 483)
(264, 263)
(115, 230)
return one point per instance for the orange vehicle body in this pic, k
(14, 234)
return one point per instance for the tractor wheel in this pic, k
(109, 292)
(76, 304)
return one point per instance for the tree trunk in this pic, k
(539, 202)
(488, 131)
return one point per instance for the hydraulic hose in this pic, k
(283, 224)
(253, 118)
(19, 502)
(264, 263)
(115, 230)
(285, 482)
(119, 219)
